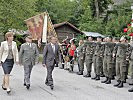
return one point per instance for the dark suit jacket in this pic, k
(49, 57)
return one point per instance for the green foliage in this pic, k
(119, 20)
(19, 40)
(88, 21)
(59, 10)
(14, 12)
(81, 13)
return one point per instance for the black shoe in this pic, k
(130, 83)
(87, 75)
(28, 86)
(8, 91)
(102, 75)
(24, 84)
(124, 81)
(105, 80)
(4, 88)
(117, 83)
(80, 73)
(47, 83)
(113, 78)
(109, 81)
(63, 66)
(51, 87)
(66, 68)
(120, 85)
(130, 90)
(97, 78)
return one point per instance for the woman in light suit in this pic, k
(8, 55)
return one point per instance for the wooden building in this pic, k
(66, 29)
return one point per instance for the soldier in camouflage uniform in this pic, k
(108, 60)
(131, 67)
(89, 51)
(116, 41)
(98, 58)
(101, 70)
(81, 57)
(121, 52)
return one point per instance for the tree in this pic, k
(99, 7)
(14, 12)
(118, 19)
(88, 21)
(59, 10)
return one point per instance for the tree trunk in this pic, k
(97, 9)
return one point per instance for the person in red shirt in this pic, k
(71, 51)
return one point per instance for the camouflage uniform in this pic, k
(98, 59)
(122, 53)
(81, 58)
(108, 61)
(89, 51)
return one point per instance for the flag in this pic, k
(40, 27)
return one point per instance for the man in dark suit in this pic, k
(51, 55)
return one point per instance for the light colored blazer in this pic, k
(4, 51)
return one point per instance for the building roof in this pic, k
(69, 24)
(93, 34)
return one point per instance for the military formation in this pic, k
(111, 58)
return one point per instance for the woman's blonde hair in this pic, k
(8, 34)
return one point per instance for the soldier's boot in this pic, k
(113, 77)
(80, 73)
(87, 75)
(97, 78)
(130, 90)
(105, 80)
(109, 81)
(94, 77)
(102, 75)
(124, 81)
(130, 83)
(120, 85)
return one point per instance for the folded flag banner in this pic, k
(40, 27)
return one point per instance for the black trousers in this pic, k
(49, 78)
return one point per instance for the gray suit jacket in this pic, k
(49, 56)
(28, 54)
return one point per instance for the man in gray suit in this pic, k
(28, 56)
(51, 55)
